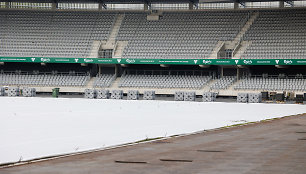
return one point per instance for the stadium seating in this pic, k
(43, 80)
(104, 80)
(178, 34)
(52, 34)
(277, 35)
(223, 82)
(164, 81)
(271, 84)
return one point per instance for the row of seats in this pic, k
(271, 84)
(274, 34)
(52, 33)
(178, 34)
(44, 80)
(104, 80)
(277, 35)
(223, 82)
(164, 81)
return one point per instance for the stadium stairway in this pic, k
(111, 40)
(115, 84)
(94, 49)
(238, 52)
(91, 82)
(206, 88)
(237, 45)
(119, 48)
(245, 28)
(214, 53)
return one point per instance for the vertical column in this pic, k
(238, 73)
(190, 6)
(7, 4)
(100, 6)
(54, 6)
(281, 4)
(116, 69)
(145, 6)
(220, 70)
(236, 5)
(100, 68)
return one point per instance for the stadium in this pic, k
(152, 86)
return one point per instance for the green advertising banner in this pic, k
(158, 61)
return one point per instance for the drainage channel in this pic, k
(210, 151)
(176, 160)
(131, 162)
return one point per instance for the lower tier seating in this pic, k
(164, 81)
(104, 80)
(224, 82)
(271, 84)
(44, 80)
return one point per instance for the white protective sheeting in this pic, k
(38, 127)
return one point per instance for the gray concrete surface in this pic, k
(273, 147)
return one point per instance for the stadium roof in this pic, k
(133, 1)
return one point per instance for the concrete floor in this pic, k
(273, 147)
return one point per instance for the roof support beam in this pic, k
(236, 5)
(7, 4)
(291, 3)
(102, 5)
(192, 5)
(146, 5)
(243, 4)
(281, 4)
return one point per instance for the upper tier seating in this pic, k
(164, 81)
(277, 35)
(52, 34)
(178, 35)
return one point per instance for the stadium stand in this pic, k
(178, 34)
(43, 80)
(175, 35)
(52, 34)
(277, 34)
(271, 34)
(164, 81)
(271, 84)
(104, 80)
(223, 82)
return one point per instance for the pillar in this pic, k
(116, 69)
(220, 70)
(145, 6)
(236, 5)
(99, 65)
(54, 6)
(281, 4)
(7, 4)
(238, 73)
(190, 6)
